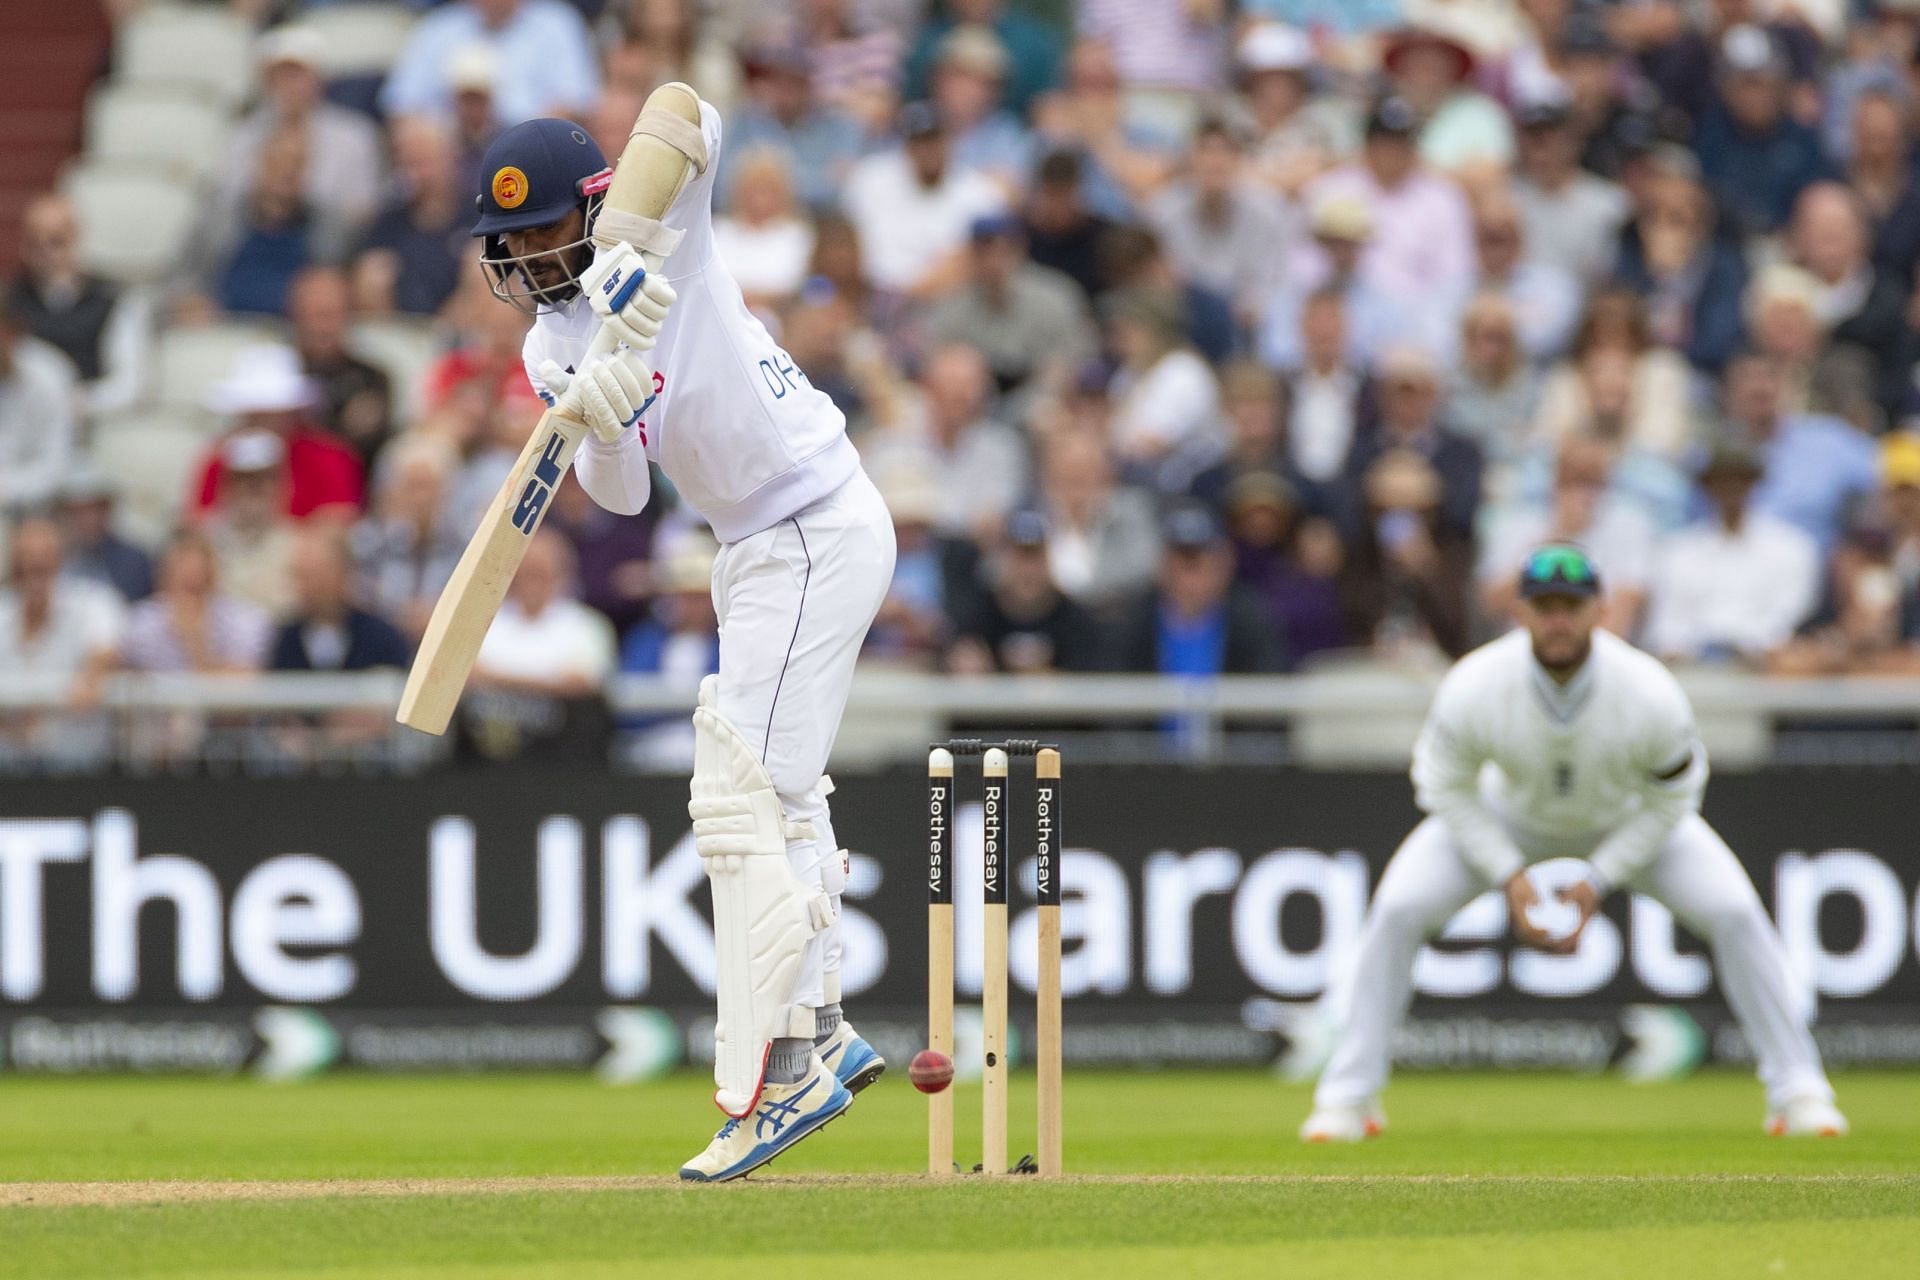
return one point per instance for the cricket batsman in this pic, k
(1563, 741)
(698, 388)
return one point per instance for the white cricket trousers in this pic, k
(1695, 876)
(794, 603)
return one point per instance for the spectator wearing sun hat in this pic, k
(1463, 128)
(1295, 134)
(1373, 315)
(346, 171)
(266, 392)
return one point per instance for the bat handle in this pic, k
(603, 342)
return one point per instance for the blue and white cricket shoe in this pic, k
(854, 1062)
(784, 1116)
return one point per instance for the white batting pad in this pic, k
(763, 916)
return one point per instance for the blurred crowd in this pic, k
(1189, 336)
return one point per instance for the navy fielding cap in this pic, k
(537, 172)
(1559, 569)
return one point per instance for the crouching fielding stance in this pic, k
(696, 386)
(1562, 741)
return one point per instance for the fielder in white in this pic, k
(1562, 741)
(701, 390)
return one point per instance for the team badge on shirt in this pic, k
(509, 187)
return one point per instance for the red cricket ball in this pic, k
(931, 1071)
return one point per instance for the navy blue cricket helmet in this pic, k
(534, 175)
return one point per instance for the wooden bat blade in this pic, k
(479, 582)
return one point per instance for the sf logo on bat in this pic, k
(540, 485)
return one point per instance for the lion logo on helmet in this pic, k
(509, 187)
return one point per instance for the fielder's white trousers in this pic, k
(1695, 876)
(794, 603)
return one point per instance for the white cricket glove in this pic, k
(608, 395)
(630, 300)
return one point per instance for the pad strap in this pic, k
(833, 872)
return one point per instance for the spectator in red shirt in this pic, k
(487, 356)
(266, 391)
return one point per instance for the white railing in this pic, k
(1360, 716)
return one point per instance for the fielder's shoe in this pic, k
(1810, 1117)
(1344, 1124)
(785, 1114)
(854, 1062)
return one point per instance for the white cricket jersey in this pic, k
(1521, 768)
(744, 437)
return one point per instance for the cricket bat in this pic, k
(662, 155)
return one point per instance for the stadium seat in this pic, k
(188, 362)
(178, 132)
(136, 222)
(405, 348)
(362, 38)
(195, 46)
(151, 459)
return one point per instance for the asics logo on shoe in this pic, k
(778, 1113)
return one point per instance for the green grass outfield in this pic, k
(1185, 1174)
